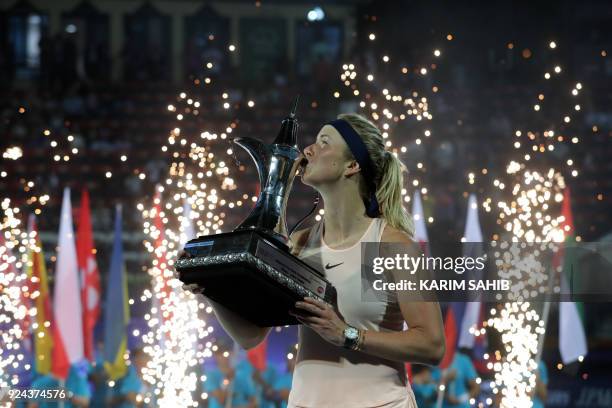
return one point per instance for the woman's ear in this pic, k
(352, 168)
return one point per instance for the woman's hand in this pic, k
(324, 320)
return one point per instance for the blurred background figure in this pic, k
(98, 378)
(462, 384)
(129, 391)
(424, 387)
(230, 379)
(76, 386)
(540, 392)
(275, 389)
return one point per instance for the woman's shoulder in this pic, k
(400, 242)
(392, 234)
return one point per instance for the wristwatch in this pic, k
(351, 338)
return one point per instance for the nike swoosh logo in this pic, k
(328, 266)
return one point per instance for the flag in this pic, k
(420, 236)
(187, 230)
(67, 317)
(39, 289)
(257, 355)
(572, 338)
(161, 253)
(90, 277)
(471, 334)
(420, 230)
(472, 238)
(161, 286)
(454, 315)
(116, 314)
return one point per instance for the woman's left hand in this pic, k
(324, 320)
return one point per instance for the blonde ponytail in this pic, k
(389, 179)
(389, 194)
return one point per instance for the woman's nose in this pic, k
(308, 152)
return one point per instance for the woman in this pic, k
(353, 354)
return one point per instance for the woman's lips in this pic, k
(302, 167)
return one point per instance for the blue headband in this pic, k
(360, 152)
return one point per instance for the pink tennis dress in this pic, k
(328, 376)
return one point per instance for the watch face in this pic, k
(351, 333)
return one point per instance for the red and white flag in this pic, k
(161, 254)
(67, 317)
(90, 276)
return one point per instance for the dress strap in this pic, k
(379, 229)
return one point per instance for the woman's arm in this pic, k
(242, 331)
(423, 342)
(245, 333)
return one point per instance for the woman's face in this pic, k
(327, 158)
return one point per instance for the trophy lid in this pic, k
(289, 127)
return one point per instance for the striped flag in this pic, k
(39, 288)
(67, 317)
(572, 338)
(90, 277)
(117, 312)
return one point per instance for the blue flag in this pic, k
(117, 313)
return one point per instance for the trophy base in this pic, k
(252, 275)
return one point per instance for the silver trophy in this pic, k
(251, 270)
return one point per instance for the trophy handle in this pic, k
(259, 152)
(277, 166)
